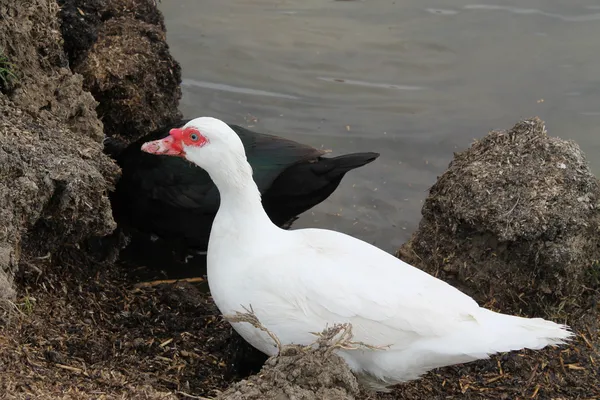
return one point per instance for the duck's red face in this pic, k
(175, 144)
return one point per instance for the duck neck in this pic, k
(240, 197)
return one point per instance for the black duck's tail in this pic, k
(338, 166)
(304, 185)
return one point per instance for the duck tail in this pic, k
(508, 332)
(338, 166)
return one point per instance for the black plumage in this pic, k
(177, 201)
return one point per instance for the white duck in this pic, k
(301, 281)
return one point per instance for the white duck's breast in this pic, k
(236, 281)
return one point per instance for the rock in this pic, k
(7, 292)
(79, 26)
(131, 73)
(142, 10)
(54, 186)
(298, 373)
(120, 48)
(81, 20)
(63, 99)
(514, 223)
(54, 176)
(46, 88)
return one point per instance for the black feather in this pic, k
(176, 200)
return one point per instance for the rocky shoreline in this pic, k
(513, 222)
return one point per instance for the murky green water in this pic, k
(414, 80)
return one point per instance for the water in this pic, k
(410, 79)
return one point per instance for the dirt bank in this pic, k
(90, 330)
(87, 329)
(55, 177)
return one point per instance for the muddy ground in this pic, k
(75, 326)
(83, 332)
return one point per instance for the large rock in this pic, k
(121, 50)
(81, 20)
(514, 222)
(46, 88)
(54, 177)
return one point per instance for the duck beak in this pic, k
(167, 146)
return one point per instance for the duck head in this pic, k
(205, 141)
(213, 146)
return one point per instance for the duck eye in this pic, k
(194, 137)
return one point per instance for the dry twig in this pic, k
(252, 319)
(339, 336)
(167, 281)
(344, 341)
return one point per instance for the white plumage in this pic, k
(301, 281)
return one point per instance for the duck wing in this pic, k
(270, 156)
(421, 321)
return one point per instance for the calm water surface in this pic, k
(414, 80)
